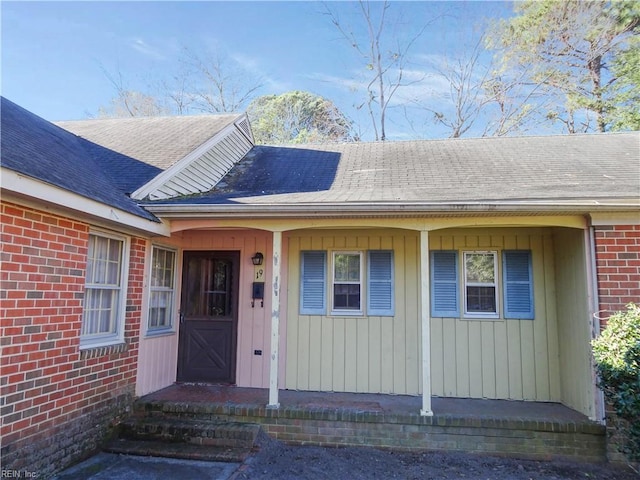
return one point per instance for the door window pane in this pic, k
(208, 287)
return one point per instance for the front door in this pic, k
(209, 317)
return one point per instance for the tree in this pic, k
(202, 84)
(625, 113)
(220, 84)
(384, 61)
(567, 48)
(297, 117)
(130, 103)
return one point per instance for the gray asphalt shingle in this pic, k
(549, 168)
(158, 141)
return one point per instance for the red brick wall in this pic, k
(55, 397)
(618, 266)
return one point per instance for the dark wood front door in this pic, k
(209, 317)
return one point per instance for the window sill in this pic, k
(346, 313)
(101, 351)
(164, 332)
(490, 318)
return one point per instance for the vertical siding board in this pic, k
(540, 334)
(552, 319)
(514, 356)
(326, 355)
(385, 330)
(303, 373)
(461, 370)
(409, 252)
(501, 359)
(528, 360)
(314, 341)
(387, 355)
(449, 356)
(437, 358)
(339, 355)
(399, 343)
(488, 359)
(475, 359)
(375, 354)
(351, 355)
(363, 357)
(294, 317)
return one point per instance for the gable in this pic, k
(203, 168)
(191, 153)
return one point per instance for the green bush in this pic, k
(617, 358)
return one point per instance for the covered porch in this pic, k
(537, 430)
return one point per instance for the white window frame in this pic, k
(360, 282)
(116, 333)
(495, 284)
(171, 290)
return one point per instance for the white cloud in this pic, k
(139, 45)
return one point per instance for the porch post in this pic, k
(275, 320)
(425, 321)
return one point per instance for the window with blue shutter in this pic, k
(518, 284)
(380, 283)
(444, 284)
(313, 279)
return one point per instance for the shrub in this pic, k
(617, 357)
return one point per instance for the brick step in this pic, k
(186, 451)
(190, 431)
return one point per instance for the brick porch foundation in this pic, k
(362, 421)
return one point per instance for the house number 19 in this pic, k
(259, 274)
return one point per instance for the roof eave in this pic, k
(389, 209)
(22, 188)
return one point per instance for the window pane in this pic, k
(480, 267)
(162, 268)
(346, 296)
(481, 300)
(346, 267)
(99, 312)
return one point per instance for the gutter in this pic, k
(273, 210)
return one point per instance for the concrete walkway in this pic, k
(109, 466)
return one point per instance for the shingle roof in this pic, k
(39, 149)
(528, 169)
(158, 141)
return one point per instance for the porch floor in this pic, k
(500, 427)
(367, 402)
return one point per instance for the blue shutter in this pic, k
(380, 285)
(444, 284)
(518, 284)
(313, 280)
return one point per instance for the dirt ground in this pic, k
(275, 460)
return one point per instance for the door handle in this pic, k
(181, 318)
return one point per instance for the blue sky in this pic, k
(55, 54)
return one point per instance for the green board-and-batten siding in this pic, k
(514, 359)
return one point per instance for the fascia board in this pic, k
(19, 186)
(350, 209)
(615, 218)
(183, 163)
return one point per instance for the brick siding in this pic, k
(58, 402)
(618, 266)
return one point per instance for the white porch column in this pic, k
(425, 322)
(275, 320)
